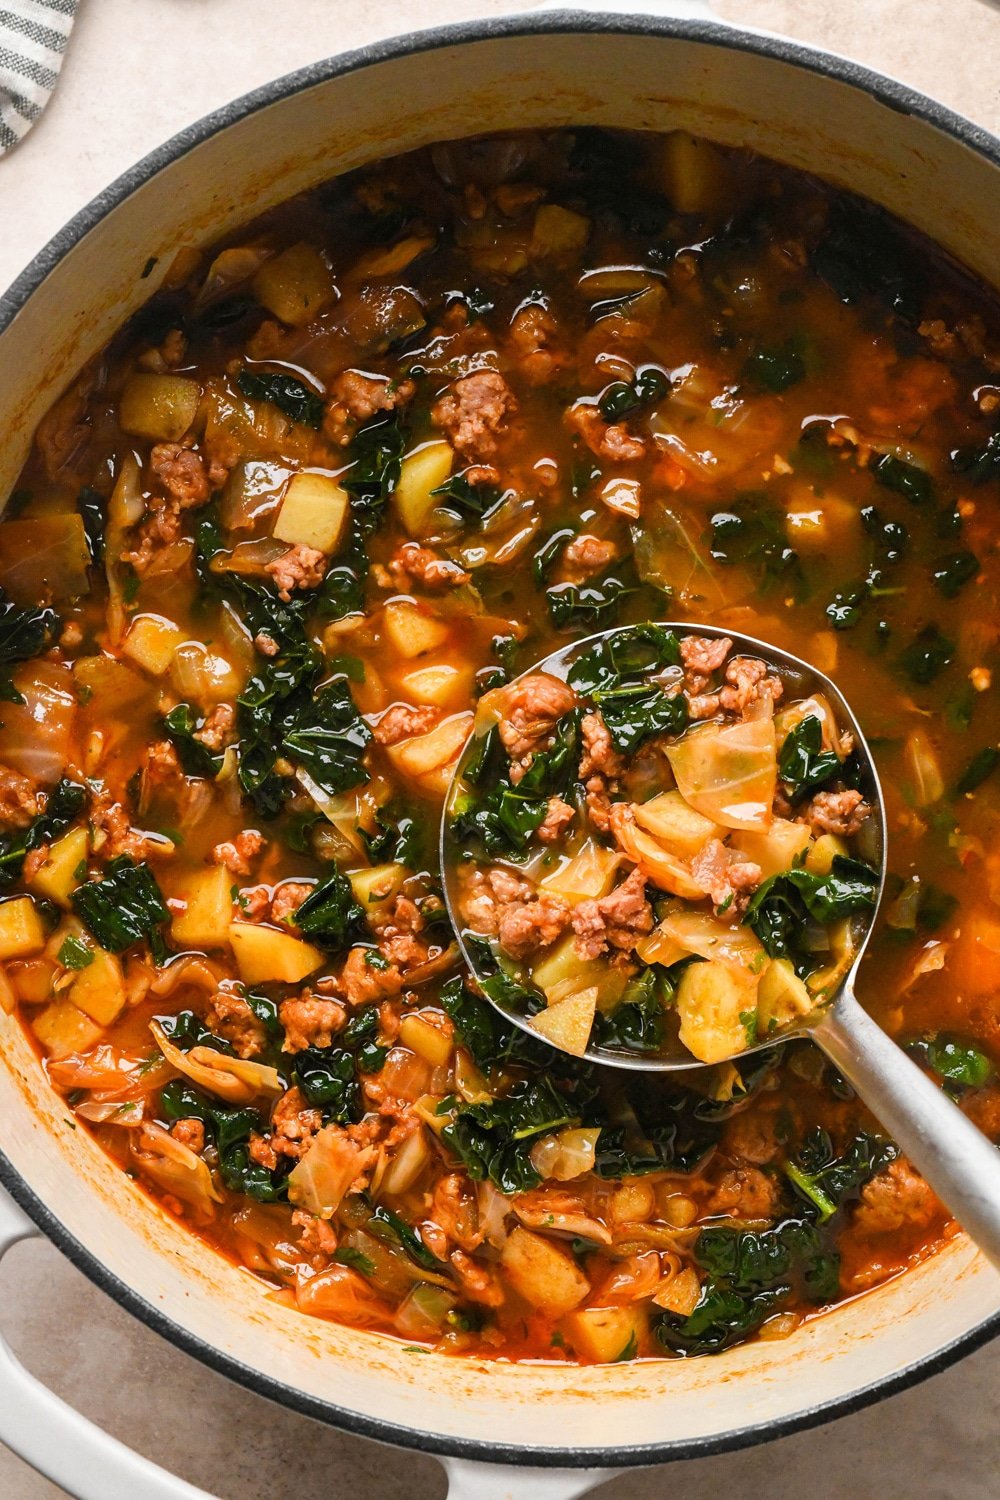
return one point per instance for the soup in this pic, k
(341, 478)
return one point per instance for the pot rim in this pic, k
(888, 91)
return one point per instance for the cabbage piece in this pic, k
(702, 934)
(175, 1168)
(125, 507)
(44, 557)
(36, 734)
(235, 1079)
(729, 772)
(322, 1177)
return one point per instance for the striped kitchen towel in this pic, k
(33, 37)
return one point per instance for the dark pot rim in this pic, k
(886, 91)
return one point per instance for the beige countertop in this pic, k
(136, 72)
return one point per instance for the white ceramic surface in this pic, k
(938, 1301)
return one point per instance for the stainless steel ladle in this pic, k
(953, 1156)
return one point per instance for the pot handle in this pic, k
(474, 1481)
(53, 1438)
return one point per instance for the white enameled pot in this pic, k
(676, 69)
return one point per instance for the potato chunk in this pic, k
(295, 285)
(159, 407)
(606, 1334)
(782, 997)
(718, 1010)
(206, 919)
(543, 1273)
(263, 955)
(567, 1023)
(21, 930)
(313, 512)
(99, 989)
(57, 878)
(422, 472)
(151, 643)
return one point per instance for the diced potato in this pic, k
(827, 848)
(375, 887)
(411, 630)
(606, 1334)
(562, 972)
(445, 686)
(57, 878)
(674, 824)
(421, 473)
(543, 1273)
(425, 1039)
(587, 876)
(295, 285)
(21, 930)
(681, 1295)
(206, 919)
(429, 759)
(264, 955)
(8, 994)
(159, 407)
(99, 989)
(781, 997)
(695, 175)
(151, 642)
(313, 512)
(777, 849)
(656, 863)
(819, 525)
(568, 1024)
(717, 1008)
(558, 231)
(33, 978)
(62, 1029)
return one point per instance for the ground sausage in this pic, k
(533, 707)
(19, 801)
(610, 440)
(474, 411)
(402, 722)
(745, 1193)
(750, 689)
(190, 1132)
(310, 1021)
(599, 758)
(298, 568)
(558, 816)
(584, 557)
(413, 564)
(236, 854)
(181, 472)
(841, 813)
(894, 1198)
(523, 927)
(722, 874)
(613, 921)
(532, 339)
(367, 976)
(294, 1124)
(230, 1017)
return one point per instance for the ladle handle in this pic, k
(958, 1161)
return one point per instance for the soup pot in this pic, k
(676, 68)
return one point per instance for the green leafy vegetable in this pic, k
(959, 1063)
(979, 464)
(622, 398)
(751, 534)
(980, 767)
(782, 906)
(803, 764)
(291, 396)
(64, 803)
(495, 981)
(328, 738)
(503, 818)
(905, 479)
(466, 501)
(331, 914)
(954, 571)
(491, 1040)
(74, 953)
(776, 368)
(377, 452)
(637, 1023)
(327, 1077)
(195, 757)
(825, 1179)
(864, 255)
(629, 655)
(342, 591)
(123, 908)
(390, 1226)
(929, 653)
(494, 1138)
(25, 633)
(229, 1130)
(589, 606)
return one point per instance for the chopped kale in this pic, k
(342, 591)
(273, 697)
(775, 368)
(195, 757)
(64, 803)
(186, 1030)
(123, 908)
(466, 501)
(956, 1061)
(636, 714)
(979, 464)
(928, 654)
(25, 633)
(229, 1131)
(504, 817)
(74, 953)
(491, 1040)
(331, 915)
(494, 1138)
(863, 254)
(495, 981)
(781, 908)
(953, 571)
(637, 1023)
(399, 838)
(623, 398)
(590, 606)
(905, 479)
(389, 1226)
(629, 655)
(327, 737)
(980, 767)
(751, 534)
(824, 1179)
(327, 1077)
(209, 541)
(803, 764)
(376, 452)
(549, 552)
(293, 397)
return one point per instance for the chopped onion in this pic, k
(407, 1163)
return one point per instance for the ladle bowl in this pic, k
(955, 1158)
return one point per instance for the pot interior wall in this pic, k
(543, 79)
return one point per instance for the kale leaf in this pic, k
(490, 1039)
(494, 1138)
(507, 991)
(775, 368)
(953, 571)
(387, 1225)
(893, 473)
(636, 714)
(25, 633)
(195, 757)
(342, 591)
(781, 907)
(630, 655)
(928, 654)
(124, 907)
(279, 689)
(328, 738)
(467, 502)
(751, 534)
(824, 1179)
(65, 801)
(623, 398)
(960, 1064)
(504, 817)
(637, 1023)
(376, 451)
(982, 765)
(293, 397)
(803, 764)
(229, 1130)
(331, 914)
(590, 606)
